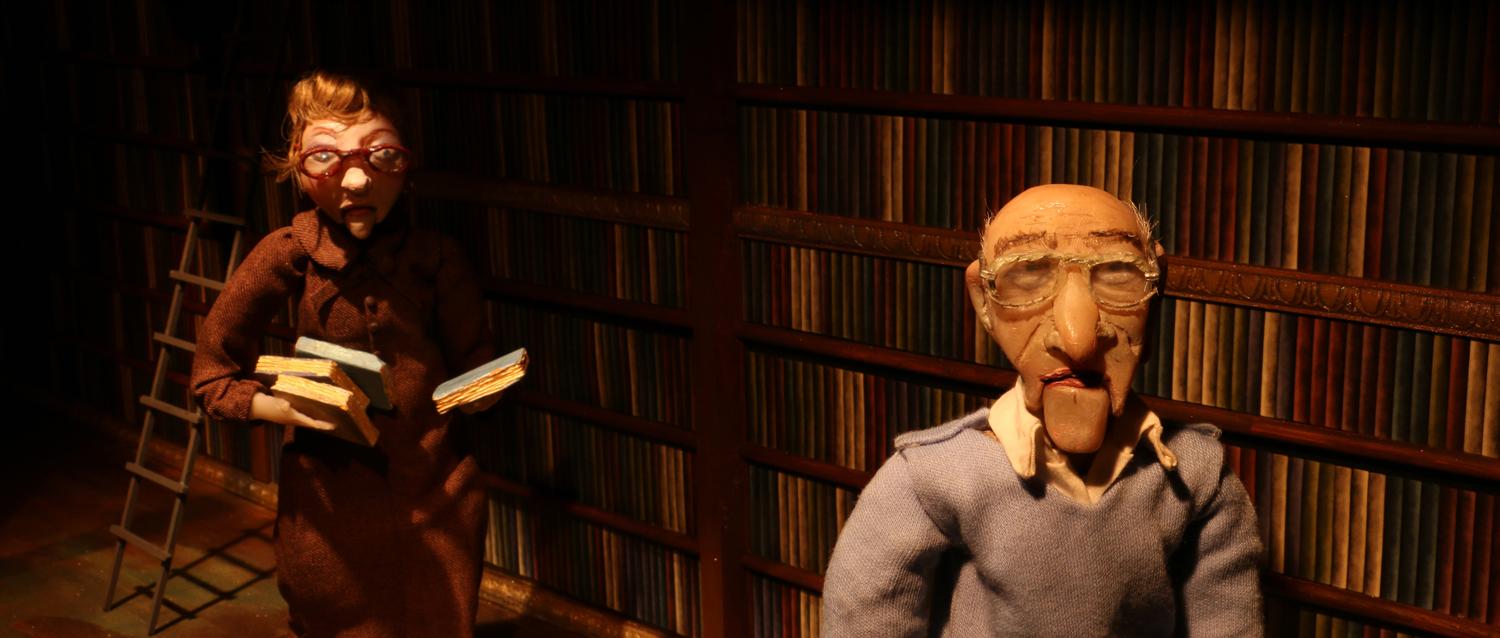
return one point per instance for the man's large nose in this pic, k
(1076, 316)
(356, 180)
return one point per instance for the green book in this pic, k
(365, 369)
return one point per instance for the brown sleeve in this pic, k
(230, 337)
(462, 323)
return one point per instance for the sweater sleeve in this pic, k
(462, 324)
(1219, 559)
(230, 336)
(879, 579)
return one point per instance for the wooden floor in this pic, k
(62, 488)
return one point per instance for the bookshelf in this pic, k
(732, 236)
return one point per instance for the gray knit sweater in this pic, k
(946, 540)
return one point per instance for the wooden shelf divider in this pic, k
(542, 501)
(656, 211)
(511, 289)
(1202, 121)
(820, 470)
(609, 419)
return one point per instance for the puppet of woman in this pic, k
(370, 541)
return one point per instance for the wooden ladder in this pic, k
(170, 345)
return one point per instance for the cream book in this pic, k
(481, 382)
(321, 390)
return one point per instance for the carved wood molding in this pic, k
(869, 237)
(1453, 312)
(628, 208)
(1437, 310)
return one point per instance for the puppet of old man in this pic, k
(1067, 508)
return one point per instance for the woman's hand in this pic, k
(275, 409)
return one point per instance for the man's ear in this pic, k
(977, 295)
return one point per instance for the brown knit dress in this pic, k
(382, 541)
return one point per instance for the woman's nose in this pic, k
(356, 180)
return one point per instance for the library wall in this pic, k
(732, 237)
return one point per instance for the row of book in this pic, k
(596, 565)
(634, 40)
(1436, 391)
(1399, 384)
(1413, 216)
(924, 308)
(583, 463)
(839, 415)
(795, 520)
(621, 144)
(631, 40)
(635, 371)
(608, 259)
(1413, 540)
(1409, 540)
(1380, 59)
(1285, 617)
(782, 610)
(161, 102)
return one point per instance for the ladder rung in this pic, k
(140, 543)
(214, 217)
(163, 406)
(174, 341)
(177, 487)
(197, 280)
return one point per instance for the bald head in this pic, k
(1036, 216)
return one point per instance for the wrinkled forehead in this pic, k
(1074, 218)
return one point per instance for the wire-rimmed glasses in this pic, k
(1119, 281)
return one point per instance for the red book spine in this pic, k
(1309, 206)
(1317, 394)
(1212, 196)
(1490, 102)
(1375, 219)
(1230, 202)
(1333, 373)
(1463, 556)
(1198, 160)
(1447, 527)
(1302, 384)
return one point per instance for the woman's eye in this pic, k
(323, 156)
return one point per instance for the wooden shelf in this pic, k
(541, 501)
(1386, 456)
(189, 147)
(783, 572)
(1437, 310)
(657, 211)
(1170, 119)
(820, 470)
(143, 217)
(1385, 612)
(609, 419)
(535, 83)
(513, 290)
